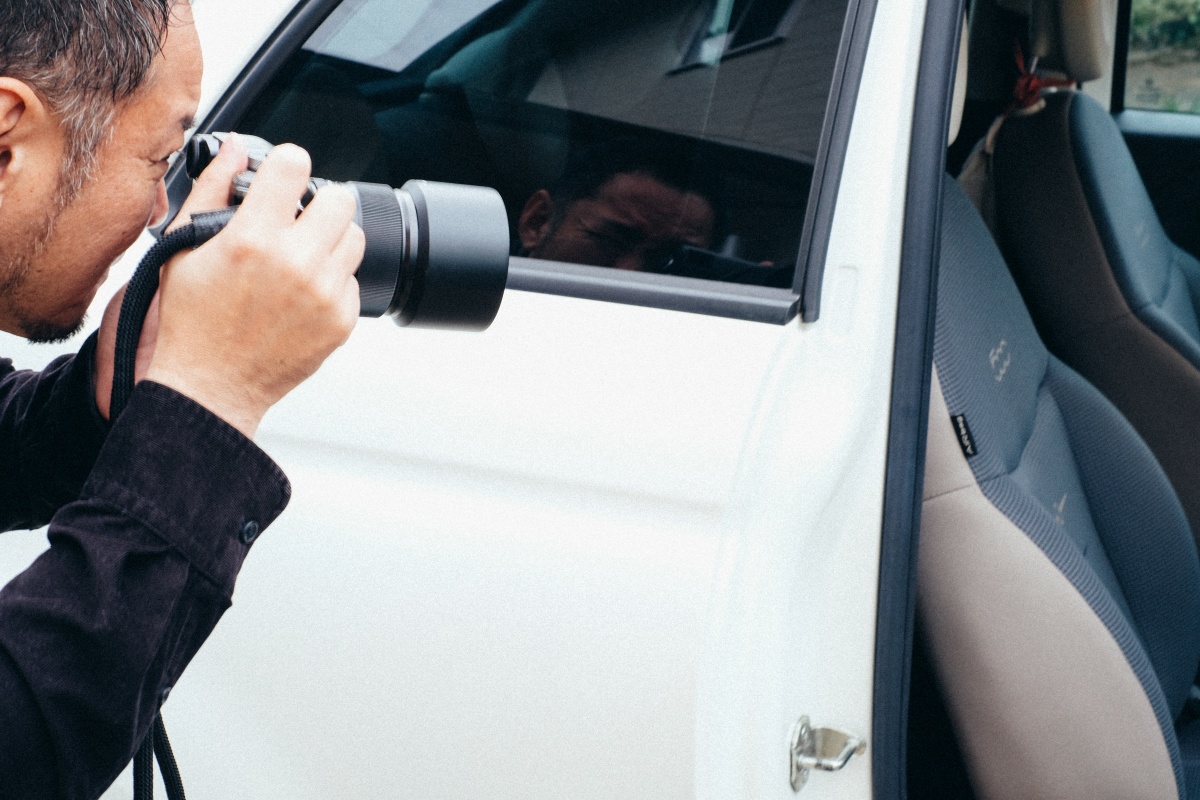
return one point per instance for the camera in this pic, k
(436, 253)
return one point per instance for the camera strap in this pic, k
(138, 296)
(156, 746)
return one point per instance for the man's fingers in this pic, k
(326, 220)
(346, 257)
(211, 190)
(278, 185)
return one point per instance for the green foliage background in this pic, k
(1157, 24)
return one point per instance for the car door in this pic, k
(1156, 100)
(620, 543)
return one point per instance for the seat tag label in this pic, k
(963, 432)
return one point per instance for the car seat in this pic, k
(1058, 583)
(1110, 294)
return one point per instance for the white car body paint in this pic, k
(792, 623)
(597, 551)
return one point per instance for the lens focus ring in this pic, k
(382, 220)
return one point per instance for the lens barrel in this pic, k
(436, 253)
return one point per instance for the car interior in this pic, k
(1058, 580)
(508, 99)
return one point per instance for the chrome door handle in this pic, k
(826, 749)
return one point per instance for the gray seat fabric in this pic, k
(1109, 292)
(1058, 582)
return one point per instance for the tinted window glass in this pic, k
(1163, 70)
(608, 147)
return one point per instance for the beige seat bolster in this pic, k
(1043, 700)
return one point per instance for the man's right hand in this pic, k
(255, 311)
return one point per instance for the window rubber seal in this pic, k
(831, 155)
(909, 409)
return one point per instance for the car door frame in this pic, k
(912, 371)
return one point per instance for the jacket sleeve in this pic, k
(50, 433)
(140, 568)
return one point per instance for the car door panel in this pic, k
(1166, 148)
(598, 550)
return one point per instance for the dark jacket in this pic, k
(149, 523)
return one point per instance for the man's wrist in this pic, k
(230, 403)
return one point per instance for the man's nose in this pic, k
(161, 205)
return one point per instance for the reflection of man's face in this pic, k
(634, 222)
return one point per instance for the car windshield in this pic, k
(674, 137)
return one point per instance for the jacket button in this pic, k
(249, 531)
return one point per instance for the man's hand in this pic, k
(251, 314)
(210, 193)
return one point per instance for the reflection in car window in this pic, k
(389, 34)
(736, 25)
(614, 136)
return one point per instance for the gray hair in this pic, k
(84, 58)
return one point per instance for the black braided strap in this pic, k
(140, 294)
(166, 761)
(143, 769)
(138, 297)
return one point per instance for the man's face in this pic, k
(634, 222)
(53, 257)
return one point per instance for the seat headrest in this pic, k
(960, 87)
(1070, 36)
(1074, 36)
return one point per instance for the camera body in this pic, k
(436, 253)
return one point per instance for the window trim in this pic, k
(670, 292)
(1120, 65)
(831, 155)
(714, 298)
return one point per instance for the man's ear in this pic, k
(534, 223)
(25, 125)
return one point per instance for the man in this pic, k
(151, 514)
(623, 204)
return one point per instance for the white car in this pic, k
(620, 544)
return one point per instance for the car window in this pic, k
(1163, 66)
(674, 137)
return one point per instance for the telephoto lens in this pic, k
(436, 253)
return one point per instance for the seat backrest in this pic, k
(1058, 582)
(1111, 295)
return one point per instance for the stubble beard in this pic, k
(20, 266)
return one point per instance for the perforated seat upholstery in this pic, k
(1110, 293)
(1059, 586)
